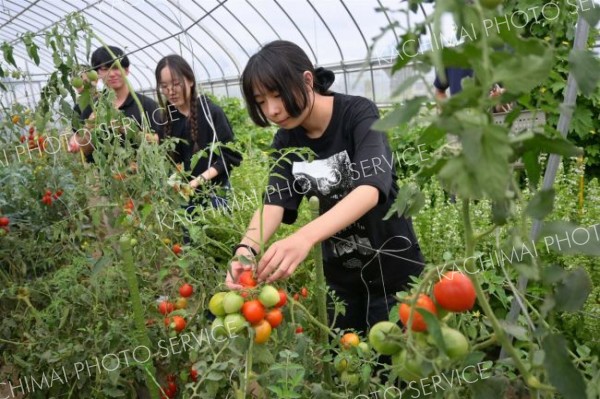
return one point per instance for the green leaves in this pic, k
(482, 168)
(568, 238)
(7, 51)
(561, 372)
(533, 61)
(31, 48)
(585, 65)
(400, 115)
(541, 204)
(572, 292)
(408, 202)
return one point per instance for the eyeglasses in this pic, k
(170, 87)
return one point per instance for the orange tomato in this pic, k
(262, 332)
(418, 322)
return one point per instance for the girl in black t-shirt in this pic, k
(366, 259)
(197, 121)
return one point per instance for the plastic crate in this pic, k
(527, 120)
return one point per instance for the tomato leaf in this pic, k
(408, 202)
(433, 328)
(533, 167)
(561, 371)
(568, 238)
(400, 115)
(584, 66)
(516, 331)
(572, 292)
(541, 204)
(7, 50)
(490, 388)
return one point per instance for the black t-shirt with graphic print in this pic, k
(370, 252)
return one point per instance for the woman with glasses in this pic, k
(198, 122)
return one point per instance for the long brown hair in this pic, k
(180, 70)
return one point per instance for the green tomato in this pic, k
(215, 305)
(456, 343)
(232, 302)
(234, 323)
(92, 75)
(408, 368)
(364, 348)
(379, 341)
(269, 296)
(349, 379)
(77, 82)
(340, 363)
(218, 328)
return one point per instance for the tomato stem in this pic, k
(320, 290)
(483, 302)
(140, 332)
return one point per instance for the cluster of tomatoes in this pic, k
(454, 292)
(176, 323)
(34, 140)
(49, 196)
(170, 390)
(4, 222)
(259, 308)
(347, 362)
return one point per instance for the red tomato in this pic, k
(455, 292)
(253, 311)
(304, 292)
(296, 296)
(4, 221)
(418, 322)
(274, 317)
(193, 374)
(165, 307)
(299, 330)
(186, 290)
(282, 299)
(246, 279)
(177, 249)
(178, 323)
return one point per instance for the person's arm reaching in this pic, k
(283, 257)
(272, 217)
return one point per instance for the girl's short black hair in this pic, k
(101, 57)
(278, 67)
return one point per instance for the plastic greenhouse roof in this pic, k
(216, 37)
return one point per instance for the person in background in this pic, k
(199, 123)
(104, 64)
(366, 259)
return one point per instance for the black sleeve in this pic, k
(227, 158)
(280, 190)
(372, 162)
(153, 114)
(438, 83)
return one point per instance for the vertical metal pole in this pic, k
(580, 43)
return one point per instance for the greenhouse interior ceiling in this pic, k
(219, 36)
(357, 39)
